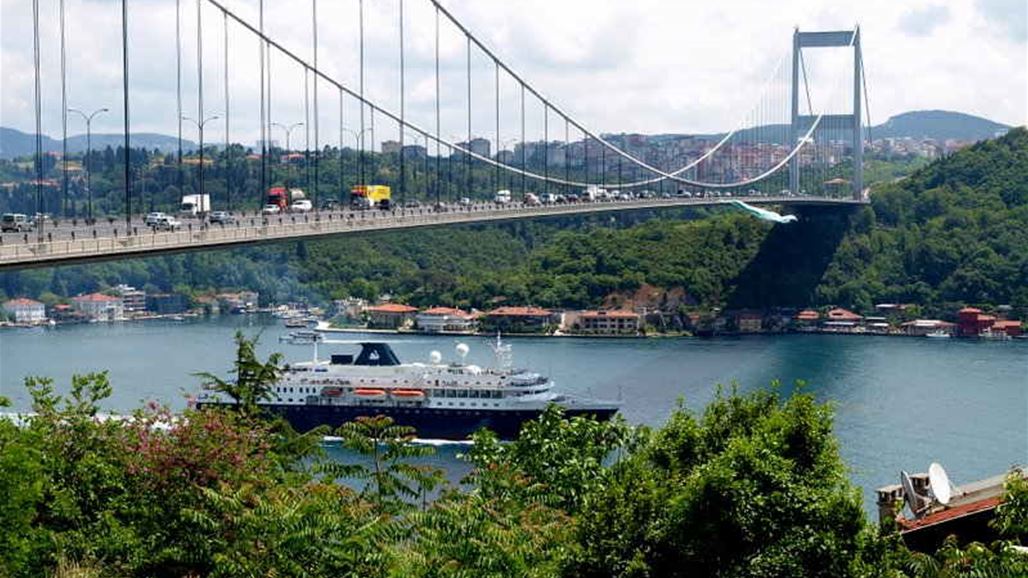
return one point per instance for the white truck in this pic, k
(195, 205)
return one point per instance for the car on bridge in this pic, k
(270, 209)
(221, 218)
(152, 218)
(301, 206)
(16, 222)
(167, 223)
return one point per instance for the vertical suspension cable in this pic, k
(64, 118)
(264, 126)
(39, 117)
(342, 186)
(317, 140)
(125, 97)
(178, 93)
(199, 88)
(438, 117)
(546, 147)
(467, 157)
(567, 151)
(524, 145)
(403, 172)
(360, 9)
(228, 145)
(306, 129)
(496, 183)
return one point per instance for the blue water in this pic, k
(900, 402)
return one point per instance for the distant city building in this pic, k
(390, 316)
(414, 152)
(99, 306)
(166, 303)
(390, 147)
(608, 322)
(133, 300)
(25, 310)
(445, 320)
(478, 146)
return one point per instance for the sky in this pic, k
(646, 66)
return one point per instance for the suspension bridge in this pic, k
(783, 151)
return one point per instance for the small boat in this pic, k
(939, 334)
(304, 337)
(295, 322)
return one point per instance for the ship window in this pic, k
(462, 393)
(461, 404)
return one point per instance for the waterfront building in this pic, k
(608, 323)
(749, 322)
(972, 322)
(99, 306)
(166, 303)
(1011, 327)
(922, 327)
(519, 319)
(445, 320)
(238, 302)
(25, 310)
(390, 316)
(133, 300)
(807, 319)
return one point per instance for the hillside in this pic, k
(939, 125)
(14, 143)
(956, 231)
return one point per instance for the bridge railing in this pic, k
(313, 226)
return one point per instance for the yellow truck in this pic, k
(371, 197)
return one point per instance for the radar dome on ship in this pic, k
(463, 349)
(435, 357)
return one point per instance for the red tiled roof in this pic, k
(22, 301)
(950, 513)
(970, 310)
(617, 314)
(840, 314)
(95, 298)
(519, 312)
(1005, 323)
(446, 311)
(392, 308)
(808, 315)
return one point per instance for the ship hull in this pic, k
(428, 423)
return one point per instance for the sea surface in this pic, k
(900, 403)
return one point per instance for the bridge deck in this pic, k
(17, 252)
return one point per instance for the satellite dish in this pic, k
(462, 350)
(938, 481)
(910, 496)
(435, 357)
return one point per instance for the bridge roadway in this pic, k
(64, 244)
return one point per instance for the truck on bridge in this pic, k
(195, 205)
(371, 197)
(282, 198)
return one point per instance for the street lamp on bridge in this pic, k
(200, 124)
(89, 150)
(289, 131)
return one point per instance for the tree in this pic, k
(253, 378)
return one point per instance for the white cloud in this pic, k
(645, 66)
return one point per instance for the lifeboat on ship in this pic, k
(369, 393)
(408, 394)
(331, 391)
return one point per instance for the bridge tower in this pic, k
(801, 123)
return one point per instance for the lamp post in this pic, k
(199, 126)
(89, 150)
(358, 139)
(424, 138)
(288, 130)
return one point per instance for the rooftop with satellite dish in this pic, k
(938, 508)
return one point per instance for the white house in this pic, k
(26, 310)
(100, 307)
(445, 320)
